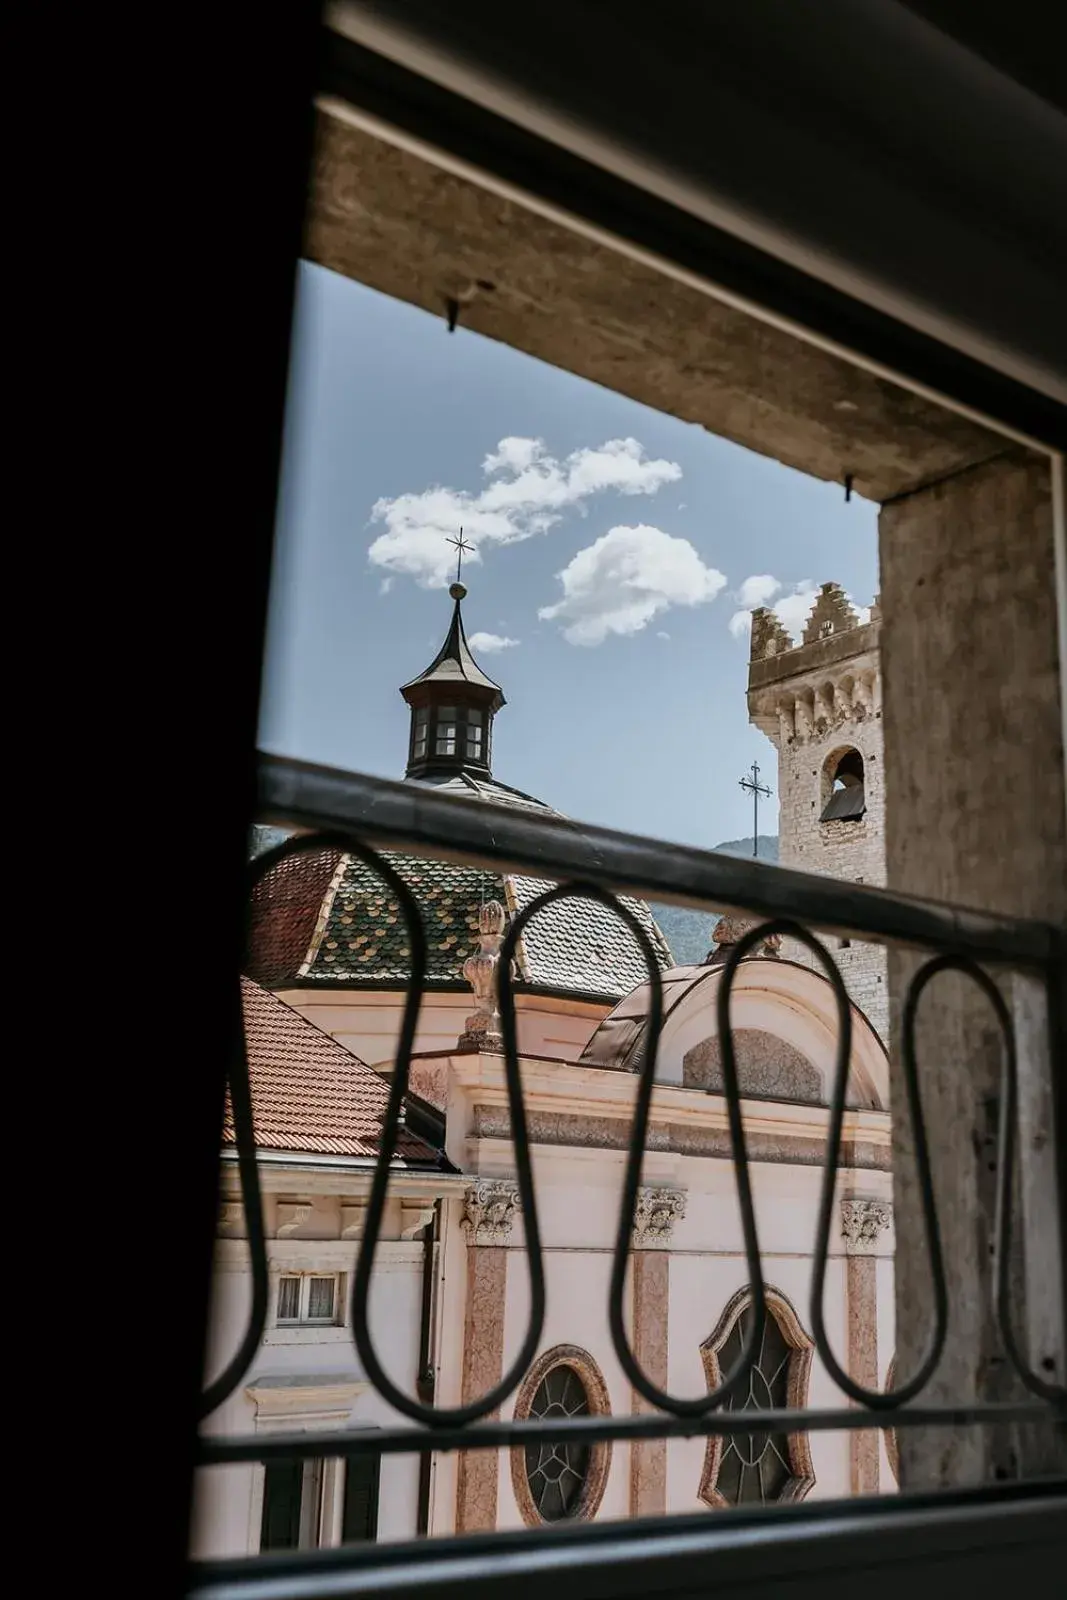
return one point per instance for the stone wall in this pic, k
(975, 816)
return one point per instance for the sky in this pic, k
(617, 551)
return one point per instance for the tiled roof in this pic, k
(310, 1094)
(283, 913)
(468, 787)
(579, 944)
(353, 931)
(364, 937)
(573, 947)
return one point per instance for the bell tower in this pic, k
(453, 704)
(820, 704)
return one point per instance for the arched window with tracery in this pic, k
(759, 1467)
(561, 1481)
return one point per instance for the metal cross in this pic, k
(752, 786)
(460, 545)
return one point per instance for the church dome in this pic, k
(325, 919)
(784, 1022)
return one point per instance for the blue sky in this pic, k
(617, 547)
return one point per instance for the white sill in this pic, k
(304, 1333)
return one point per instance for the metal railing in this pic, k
(345, 811)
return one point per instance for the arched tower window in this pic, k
(759, 1468)
(844, 799)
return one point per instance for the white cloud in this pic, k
(513, 454)
(624, 579)
(527, 492)
(662, 635)
(792, 608)
(758, 590)
(386, 585)
(488, 643)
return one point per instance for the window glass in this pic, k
(556, 1473)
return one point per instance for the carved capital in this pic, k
(655, 1216)
(861, 1223)
(353, 1218)
(489, 1211)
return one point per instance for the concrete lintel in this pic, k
(407, 227)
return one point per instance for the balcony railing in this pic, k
(361, 815)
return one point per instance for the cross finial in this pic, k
(752, 786)
(459, 545)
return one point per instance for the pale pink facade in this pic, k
(684, 1274)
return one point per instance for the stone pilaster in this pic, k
(862, 1223)
(489, 1214)
(656, 1213)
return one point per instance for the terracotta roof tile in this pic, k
(282, 914)
(310, 1094)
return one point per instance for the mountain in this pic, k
(689, 932)
(766, 844)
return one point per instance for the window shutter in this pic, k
(360, 1519)
(282, 1485)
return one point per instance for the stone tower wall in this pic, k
(815, 700)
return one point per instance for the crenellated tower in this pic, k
(820, 704)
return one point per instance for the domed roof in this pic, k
(784, 1025)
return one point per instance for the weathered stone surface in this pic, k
(766, 1067)
(648, 1462)
(862, 1297)
(483, 1367)
(390, 219)
(974, 815)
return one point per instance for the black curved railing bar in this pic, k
(636, 1146)
(252, 1200)
(878, 1399)
(435, 1416)
(439, 1417)
(1007, 1132)
(240, 1091)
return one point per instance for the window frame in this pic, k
(466, 743)
(599, 1466)
(306, 1406)
(303, 1319)
(802, 1479)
